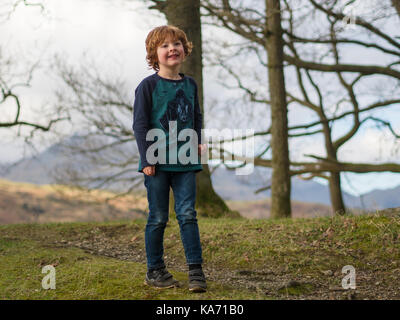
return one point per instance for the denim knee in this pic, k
(155, 219)
(187, 216)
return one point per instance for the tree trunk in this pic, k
(335, 189)
(186, 16)
(336, 194)
(396, 5)
(280, 189)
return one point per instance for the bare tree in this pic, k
(101, 150)
(11, 80)
(9, 96)
(349, 82)
(280, 187)
(327, 62)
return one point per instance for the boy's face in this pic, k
(170, 53)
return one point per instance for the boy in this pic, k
(168, 101)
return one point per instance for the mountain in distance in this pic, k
(243, 187)
(382, 198)
(227, 184)
(51, 165)
(233, 187)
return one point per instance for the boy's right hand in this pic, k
(149, 171)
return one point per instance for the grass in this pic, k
(296, 289)
(307, 243)
(84, 276)
(246, 249)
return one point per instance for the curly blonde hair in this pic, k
(157, 36)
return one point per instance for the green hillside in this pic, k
(244, 259)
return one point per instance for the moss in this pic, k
(296, 288)
(80, 275)
(293, 248)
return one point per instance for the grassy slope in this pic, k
(28, 203)
(83, 276)
(254, 256)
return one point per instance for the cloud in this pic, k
(371, 146)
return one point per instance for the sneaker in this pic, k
(160, 278)
(197, 281)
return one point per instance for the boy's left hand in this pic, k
(202, 149)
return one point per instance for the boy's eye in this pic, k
(166, 44)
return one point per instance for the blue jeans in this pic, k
(183, 185)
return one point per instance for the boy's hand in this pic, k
(149, 171)
(202, 149)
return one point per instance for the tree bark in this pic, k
(335, 190)
(281, 185)
(396, 5)
(186, 16)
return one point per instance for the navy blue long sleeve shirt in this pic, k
(157, 102)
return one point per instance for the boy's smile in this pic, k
(170, 56)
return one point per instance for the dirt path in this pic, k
(117, 242)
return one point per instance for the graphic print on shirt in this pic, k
(179, 109)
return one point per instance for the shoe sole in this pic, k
(176, 284)
(197, 289)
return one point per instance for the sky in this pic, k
(113, 32)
